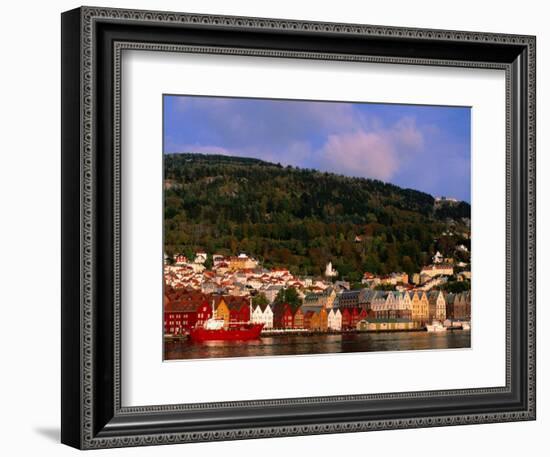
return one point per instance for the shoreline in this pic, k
(307, 333)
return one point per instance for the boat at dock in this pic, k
(436, 326)
(215, 329)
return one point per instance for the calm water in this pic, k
(318, 344)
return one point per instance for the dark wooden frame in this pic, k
(92, 40)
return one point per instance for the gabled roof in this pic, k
(434, 294)
(262, 307)
(312, 308)
(183, 307)
(367, 295)
(350, 294)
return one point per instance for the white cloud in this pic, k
(376, 154)
(360, 154)
(407, 133)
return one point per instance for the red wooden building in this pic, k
(354, 317)
(283, 316)
(239, 310)
(184, 309)
(346, 319)
(180, 317)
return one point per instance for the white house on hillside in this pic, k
(200, 257)
(437, 269)
(329, 271)
(437, 258)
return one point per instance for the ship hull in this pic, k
(200, 334)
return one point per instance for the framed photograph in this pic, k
(274, 227)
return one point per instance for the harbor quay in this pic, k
(236, 299)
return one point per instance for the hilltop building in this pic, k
(330, 272)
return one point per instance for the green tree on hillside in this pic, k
(289, 296)
(259, 300)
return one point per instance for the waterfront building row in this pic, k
(185, 309)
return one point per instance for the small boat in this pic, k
(436, 326)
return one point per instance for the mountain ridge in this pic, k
(252, 160)
(301, 218)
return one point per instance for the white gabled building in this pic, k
(382, 303)
(334, 320)
(391, 305)
(437, 305)
(256, 315)
(406, 302)
(262, 316)
(268, 317)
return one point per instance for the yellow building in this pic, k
(420, 307)
(314, 322)
(222, 311)
(241, 262)
(425, 306)
(415, 307)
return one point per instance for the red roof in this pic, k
(183, 306)
(231, 301)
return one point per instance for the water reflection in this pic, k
(317, 344)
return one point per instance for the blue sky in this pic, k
(420, 147)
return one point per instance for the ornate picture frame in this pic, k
(93, 39)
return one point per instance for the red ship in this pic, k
(213, 331)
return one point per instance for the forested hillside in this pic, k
(300, 218)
